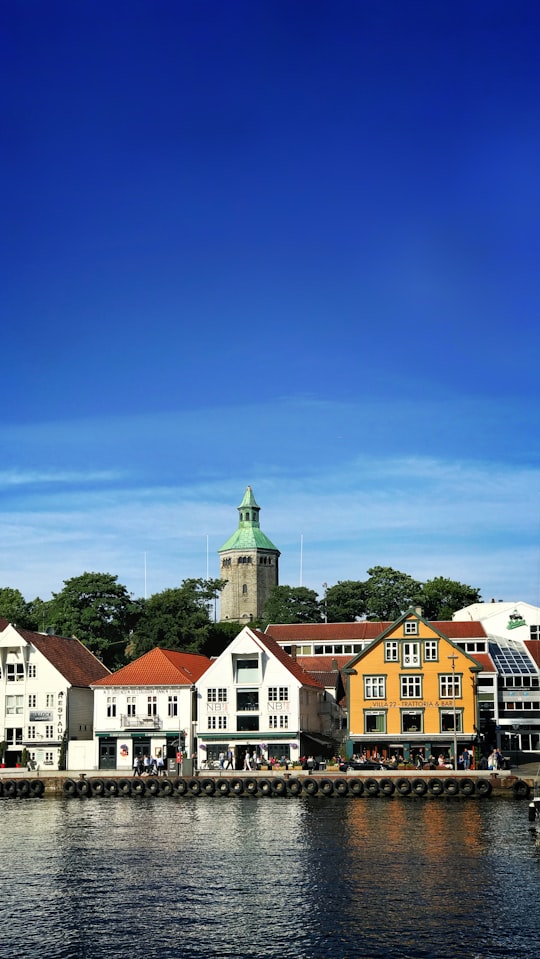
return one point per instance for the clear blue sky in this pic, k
(290, 244)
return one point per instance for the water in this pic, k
(303, 878)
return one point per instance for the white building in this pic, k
(255, 698)
(519, 620)
(513, 640)
(147, 708)
(45, 696)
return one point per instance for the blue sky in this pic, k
(286, 244)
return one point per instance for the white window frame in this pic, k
(391, 651)
(374, 687)
(410, 686)
(411, 655)
(450, 686)
(431, 650)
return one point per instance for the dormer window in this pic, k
(410, 627)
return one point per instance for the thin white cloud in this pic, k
(428, 517)
(34, 477)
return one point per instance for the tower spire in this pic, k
(249, 564)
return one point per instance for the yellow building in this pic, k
(412, 690)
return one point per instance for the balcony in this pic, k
(141, 722)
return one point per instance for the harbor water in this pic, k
(303, 878)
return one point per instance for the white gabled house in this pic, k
(255, 698)
(147, 708)
(45, 697)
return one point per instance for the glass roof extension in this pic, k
(510, 658)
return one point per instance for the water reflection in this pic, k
(313, 879)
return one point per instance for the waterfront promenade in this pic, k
(518, 783)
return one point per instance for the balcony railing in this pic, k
(141, 722)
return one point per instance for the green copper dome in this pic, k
(249, 534)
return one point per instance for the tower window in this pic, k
(244, 589)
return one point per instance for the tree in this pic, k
(176, 618)
(389, 593)
(292, 604)
(346, 601)
(99, 611)
(441, 597)
(13, 607)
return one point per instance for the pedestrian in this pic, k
(137, 765)
(230, 759)
(247, 763)
(222, 760)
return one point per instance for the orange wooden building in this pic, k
(411, 691)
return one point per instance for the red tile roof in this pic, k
(159, 667)
(533, 646)
(364, 630)
(69, 656)
(293, 666)
(325, 632)
(485, 661)
(323, 664)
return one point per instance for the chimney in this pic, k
(293, 653)
(419, 610)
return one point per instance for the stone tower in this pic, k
(249, 563)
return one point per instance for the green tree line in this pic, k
(98, 610)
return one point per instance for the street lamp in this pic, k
(453, 657)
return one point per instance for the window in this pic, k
(535, 632)
(411, 687)
(32, 671)
(247, 723)
(217, 695)
(152, 706)
(49, 759)
(217, 722)
(172, 709)
(412, 721)
(391, 651)
(411, 654)
(278, 722)
(450, 686)
(375, 722)
(247, 670)
(244, 589)
(32, 701)
(111, 707)
(374, 687)
(49, 732)
(14, 673)
(278, 694)
(431, 650)
(131, 705)
(31, 732)
(14, 737)
(247, 700)
(14, 705)
(447, 721)
(49, 699)
(410, 628)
